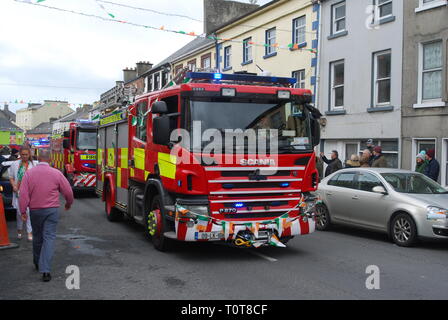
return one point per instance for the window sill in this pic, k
(336, 112)
(227, 69)
(430, 6)
(300, 46)
(270, 55)
(436, 104)
(337, 35)
(386, 20)
(247, 62)
(380, 109)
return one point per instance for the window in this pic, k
(270, 41)
(337, 85)
(384, 8)
(430, 4)
(300, 77)
(338, 18)
(192, 65)
(247, 50)
(178, 69)
(367, 181)
(157, 81)
(419, 145)
(141, 120)
(206, 61)
(150, 82)
(446, 163)
(299, 30)
(431, 72)
(382, 78)
(343, 180)
(165, 77)
(390, 150)
(350, 149)
(227, 57)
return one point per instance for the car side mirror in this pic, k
(159, 107)
(379, 189)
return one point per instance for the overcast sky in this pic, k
(43, 47)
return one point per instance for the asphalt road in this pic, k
(117, 262)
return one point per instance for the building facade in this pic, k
(273, 38)
(425, 82)
(360, 76)
(35, 114)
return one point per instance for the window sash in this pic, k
(300, 30)
(378, 81)
(247, 50)
(270, 40)
(336, 24)
(227, 56)
(431, 87)
(382, 4)
(336, 88)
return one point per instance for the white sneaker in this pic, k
(30, 237)
(19, 235)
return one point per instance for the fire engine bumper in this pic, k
(190, 226)
(84, 181)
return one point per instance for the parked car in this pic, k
(404, 204)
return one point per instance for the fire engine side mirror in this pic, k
(66, 144)
(315, 131)
(159, 107)
(66, 134)
(161, 130)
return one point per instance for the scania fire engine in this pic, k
(74, 153)
(150, 169)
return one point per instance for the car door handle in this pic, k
(355, 198)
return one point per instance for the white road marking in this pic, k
(263, 256)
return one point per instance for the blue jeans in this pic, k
(44, 222)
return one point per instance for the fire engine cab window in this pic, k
(141, 121)
(87, 140)
(285, 121)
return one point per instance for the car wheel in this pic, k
(404, 230)
(323, 221)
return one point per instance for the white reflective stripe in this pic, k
(268, 180)
(254, 200)
(258, 211)
(255, 192)
(253, 168)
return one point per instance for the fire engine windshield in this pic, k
(285, 121)
(86, 140)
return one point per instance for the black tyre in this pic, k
(323, 221)
(404, 230)
(112, 213)
(156, 225)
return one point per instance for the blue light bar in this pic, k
(239, 77)
(239, 205)
(285, 185)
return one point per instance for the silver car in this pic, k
(404, 204)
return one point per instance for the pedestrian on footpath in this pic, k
(333, 165)
(364, 161)
(422, 163)
(371, 148)
(16, 172)
(353, 162)
(39, 192)
(432, 170)
(379, 161)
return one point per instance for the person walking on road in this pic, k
(333, 165)
(16, 172)
(379, 161)
(39, 192)
(432, 170)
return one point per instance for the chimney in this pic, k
(142, 67)
(220, 12)
(6, 107)
(129, 74)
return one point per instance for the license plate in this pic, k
(209, 235)
(88, 157)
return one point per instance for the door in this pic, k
(338, 195)
(368, 208)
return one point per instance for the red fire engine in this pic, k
(74, 154)
(148, 169)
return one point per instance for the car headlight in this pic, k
(436, 213)
(191, 211)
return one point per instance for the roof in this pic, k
(82, 113)
(45, 127)
(6, 125)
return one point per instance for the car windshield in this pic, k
(286, 121)
(87, 140)
(413, 183)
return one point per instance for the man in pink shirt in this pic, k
(39, 192)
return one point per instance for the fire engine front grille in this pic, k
(255, 215)
(280, 173)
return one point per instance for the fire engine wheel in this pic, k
(155, 225)
(112, 213)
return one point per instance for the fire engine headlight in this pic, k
(284, 94)
(193, 210)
